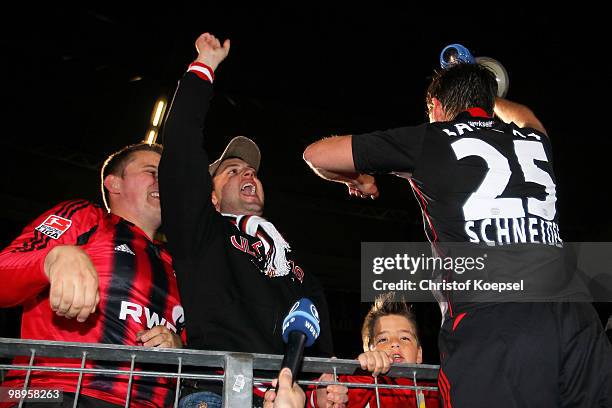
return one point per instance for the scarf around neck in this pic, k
(276, 248)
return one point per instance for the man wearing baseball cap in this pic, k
(238, 276)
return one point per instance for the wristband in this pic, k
(202, 70)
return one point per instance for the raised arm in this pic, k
(332, 159)
(509, 111)
(185, 185)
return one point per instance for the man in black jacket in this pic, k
(237, 275)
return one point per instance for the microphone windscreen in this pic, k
(303, 317)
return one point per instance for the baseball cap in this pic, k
(242, 148)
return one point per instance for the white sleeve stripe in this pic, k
(201, 70)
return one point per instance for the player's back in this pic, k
(483, 181)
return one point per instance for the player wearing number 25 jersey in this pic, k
(487, 182)
(482, 181)
(467, 188)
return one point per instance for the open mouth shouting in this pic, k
(248, 189)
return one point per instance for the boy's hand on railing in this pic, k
(289, 395)
(159, 336)
(376, 362)
(332, 396)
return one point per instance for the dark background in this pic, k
(80, 82)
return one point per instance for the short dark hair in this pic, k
(463, 86)
(116, 163)
(386, 305)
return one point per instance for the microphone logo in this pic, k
(314, 312)
(294, 307)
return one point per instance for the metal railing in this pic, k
(238, 368)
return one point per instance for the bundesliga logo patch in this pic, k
(54, 226)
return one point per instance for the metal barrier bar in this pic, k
(238, 385)
(238, 368)
(416, 396)
(113, 372)
(79, 382)
(198, 358)
(376, 390)
(27, 378)
(262, 381)
(178, 383)
(129, 391)
(210, 377)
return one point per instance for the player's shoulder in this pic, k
(66, 218)
(525, 132)
(80, 207)
(78, 210)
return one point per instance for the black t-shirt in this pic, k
(485, 182)
(477, 179)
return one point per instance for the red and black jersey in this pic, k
(391, 398)
(137, 286)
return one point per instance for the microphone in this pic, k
(300, 329)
